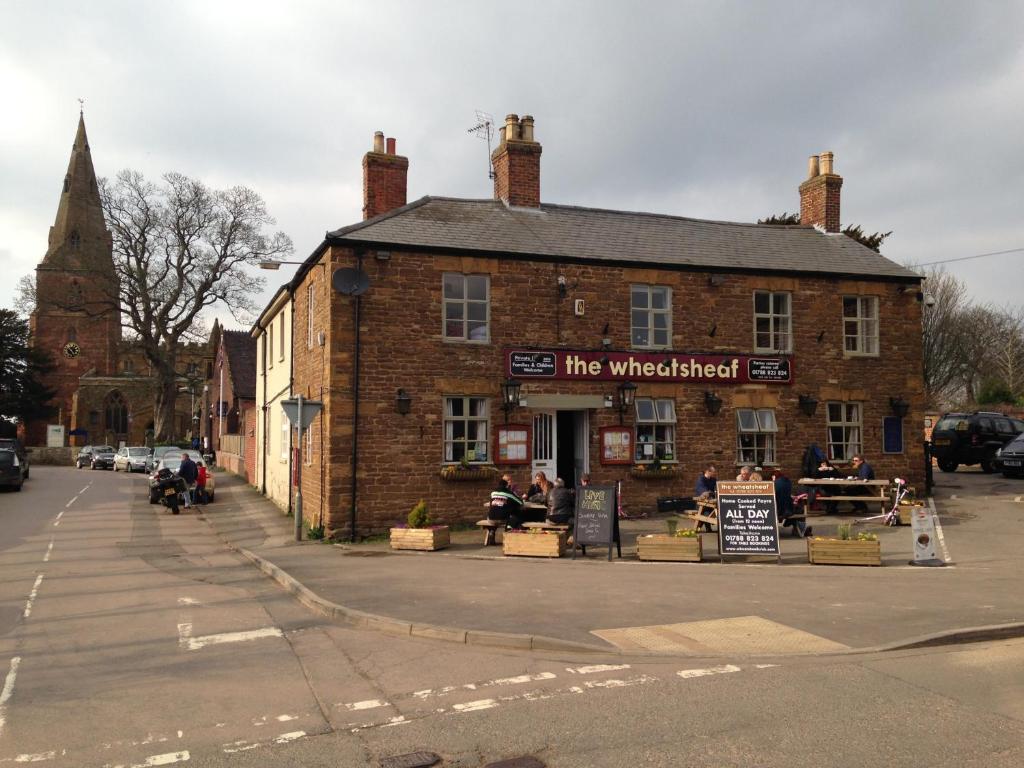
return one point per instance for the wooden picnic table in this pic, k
(706, 512)
(878, 490)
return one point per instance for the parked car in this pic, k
(1010, 458)
(159, 452)
(13, 471)
(101, 457)
(132, 459)
(84, 457)
(19, 450)
(972, 438)
(172, 462)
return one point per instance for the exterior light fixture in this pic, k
(403, 402)
(712, 402)
(808, 404)
(563, 289)
(627, 396)
(510, 389)
(900, 407)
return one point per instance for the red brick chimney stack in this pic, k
(819, 195)
(517, 163)
(385, 177)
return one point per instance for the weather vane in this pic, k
(81, 106)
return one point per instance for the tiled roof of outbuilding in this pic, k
(569, 232)
(240, 349)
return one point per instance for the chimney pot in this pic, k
(826, 162)
(391, 146)
(526, 127)
(819, 194)
(384, 178)
(812, 166)
(516, 163)
(378, 142)
(511, 127)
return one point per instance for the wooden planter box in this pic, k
(661, 546)
(837, 552)
(425, 539)
(533, 544)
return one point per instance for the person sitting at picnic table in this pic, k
(864, 472)
(540, 489)
(507, 477)
(784, 504)
(505, 506)
(707, 482)
(561, 504)
(744, 475)
(825, 471)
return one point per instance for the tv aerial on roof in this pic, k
(484, 129)
(349, 281)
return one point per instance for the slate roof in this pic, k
(593, 234)
(240, 350)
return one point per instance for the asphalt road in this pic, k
(138, 640)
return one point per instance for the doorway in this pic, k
(561, 445)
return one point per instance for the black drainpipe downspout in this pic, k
(355, 405)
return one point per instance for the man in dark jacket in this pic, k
(864, 472)
(561, 503)
(707, 483)
(189, 472)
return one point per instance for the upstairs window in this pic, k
(280, 351)
(772, 322)
(860, 325)
(655, 429)
(651, 316)
(466, 307)
(310, 299)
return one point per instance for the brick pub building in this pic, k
(646, 345)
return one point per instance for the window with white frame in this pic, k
(308, 447)
(466, 307)
(755, 436)
(310, 301)
(655, 429)
(270, 341)
(650, 316)
(844, 430)
(465, 429)
(860, 325)
(281, 325)
(261, 347)
(773, 320)
(285, 435)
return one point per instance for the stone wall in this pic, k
(60, 457)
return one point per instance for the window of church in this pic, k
(67, 183)
(74, 240)
(116, 412)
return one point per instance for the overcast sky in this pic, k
(702, 109)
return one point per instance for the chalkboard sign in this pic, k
(597, 520)
(748, 522)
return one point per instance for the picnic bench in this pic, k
(705, 514)
(878, 490)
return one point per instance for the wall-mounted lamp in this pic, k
(563, 290)
(606, 343)
(900, 407)
(821, 336)
(808, 404)
(403, 403)
(382, 255)
(510, 396)
(627, 396)
(713, 329)
(604, 360)
(712, 402)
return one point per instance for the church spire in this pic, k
(79, 226)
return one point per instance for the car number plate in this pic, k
(942, 441)
(1011, 462)
(169, 492)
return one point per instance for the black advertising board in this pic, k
(747, 519)
(597, 520)
(531, 363)
(769, 369)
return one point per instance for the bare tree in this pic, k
(943, 336)
(180, 248)
(1007, 355)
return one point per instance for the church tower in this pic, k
(76, 320)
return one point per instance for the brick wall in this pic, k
(401, 347)
(819, 201)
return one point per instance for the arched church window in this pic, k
(74, 240)
(116, 412)
(67, 183)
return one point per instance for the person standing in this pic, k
(188, 472)
(707, 482)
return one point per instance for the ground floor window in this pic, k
(285, 434)
(655, 429)
(844, 431)
(755, 436)
(465, 429)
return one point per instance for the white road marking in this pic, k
(32, 596)
(165, 759)
(84, 489)
(37, 757)
(8, 690)
(686, 674)
(49, 549)
(187, 601)
(185, 639)
(589, 670)
(59, 516)
(180, 734)
(475, 706)
(938, 531)
(286, 718)
(284, 738)
(501, 681)
(765, 666)
(953, 496)
(1018, 498)
(368, 704)
(71, 502)
(521, 679)
(619, 683)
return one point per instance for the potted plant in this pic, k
(534, 543)
(419, 533)
(677, 546)
(466, 471)
(846, 549)
(655, 470)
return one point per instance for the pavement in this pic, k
(474, 595)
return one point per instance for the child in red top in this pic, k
(201, 485)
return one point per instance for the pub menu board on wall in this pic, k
(747, 519)
(616, 445)
(597, 520)
(513, 444)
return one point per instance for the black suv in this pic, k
(972, 438)
(13, 464)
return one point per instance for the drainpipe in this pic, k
(355, 405)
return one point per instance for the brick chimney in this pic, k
(819, 195)
(384, 178)
(517, 163)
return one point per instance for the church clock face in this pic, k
(72, 350)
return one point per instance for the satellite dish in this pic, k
(350, 282)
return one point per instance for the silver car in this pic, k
(131, 459)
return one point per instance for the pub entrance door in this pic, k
(561, 445)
